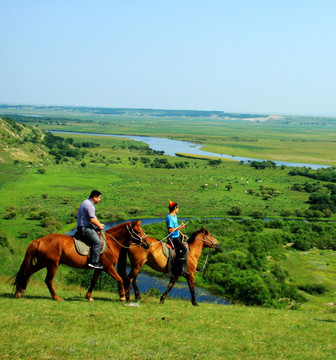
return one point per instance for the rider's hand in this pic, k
(182, 226)
(101, 226)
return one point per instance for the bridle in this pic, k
(136, 236)
(139, 239)
(208, 241)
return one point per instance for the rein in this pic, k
(206, 260)
(166, 237)
(207, 241)
(133, 235)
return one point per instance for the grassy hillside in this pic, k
(38, 328)
(21, 143)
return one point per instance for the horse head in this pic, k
(206, 237)
(137, 235)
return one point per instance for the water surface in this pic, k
(171, 147)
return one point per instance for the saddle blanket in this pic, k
(84, 249)
(169, 253)
(167, 249)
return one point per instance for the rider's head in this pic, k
(172, 206)
(95, 196)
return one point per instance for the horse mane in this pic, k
(194, 234)
(117, 228)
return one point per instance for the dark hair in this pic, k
(94, 193)
(172, 206)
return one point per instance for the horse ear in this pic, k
(136, 223)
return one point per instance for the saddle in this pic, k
(83, 248)
(170, 253)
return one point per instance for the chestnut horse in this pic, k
(55, 249)
(155, 258)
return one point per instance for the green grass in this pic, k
(311, 268)
(38, 328)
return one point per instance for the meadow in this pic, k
(38, 328)
(42, 196)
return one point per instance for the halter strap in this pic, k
(133, 235)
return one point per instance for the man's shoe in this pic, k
(95, 266)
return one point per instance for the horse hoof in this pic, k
(195, 304)
(57, 298)
(90, 299)
(18, 295)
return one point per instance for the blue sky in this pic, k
(254, 56)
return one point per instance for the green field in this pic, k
(41, 194)
(38, 328)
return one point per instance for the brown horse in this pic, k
(155, 258)
(55, 249)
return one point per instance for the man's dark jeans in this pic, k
(92, 239)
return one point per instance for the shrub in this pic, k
(313, 289)
(3, 239)
(235, 210)
(257, 214)
(153, 292)
(286, 212)
(10, 214)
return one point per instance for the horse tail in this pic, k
(21, 278)
(121, 266)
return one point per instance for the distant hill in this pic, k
(30, 110)
(20, 142)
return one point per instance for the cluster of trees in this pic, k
(322, 195)
(214, 162)
(241, 270)
(323, 174)
(266, 192)
(60, 147)
(84, 144)
(263, 164)
(163, 163)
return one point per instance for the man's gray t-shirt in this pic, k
(86, 212)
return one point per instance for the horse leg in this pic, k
(94, 280)
(130, 281)
(112, 271)
(51, 271)
(190, 279)
(136, 290)
(170, 286)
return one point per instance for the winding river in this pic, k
(171, 147)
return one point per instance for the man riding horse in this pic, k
(86, 220)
